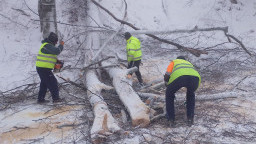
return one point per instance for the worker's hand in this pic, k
(129, 76)
(61, 42)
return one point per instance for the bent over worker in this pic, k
(181, 73)
(134, 54)
(46, 60)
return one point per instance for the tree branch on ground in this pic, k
(73, 83)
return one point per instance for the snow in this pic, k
(21, 38)
(19, 45)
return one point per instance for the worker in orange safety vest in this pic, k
(181, 73)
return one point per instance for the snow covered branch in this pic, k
(196, 29)
(239, 42)
(97, 62)
(191, 50)
(105, 43)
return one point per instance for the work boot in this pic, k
(42, 101)
(190, 122)
(59, 100)
(171, 123)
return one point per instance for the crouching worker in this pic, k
(46, 60)
(181, 73)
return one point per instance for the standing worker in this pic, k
(181, 73)
(134, 54)
(46, 60)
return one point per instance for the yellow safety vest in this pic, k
(133, 49)
(45, 60)
(182, 67)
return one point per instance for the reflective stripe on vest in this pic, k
(137, 58)
(181, 68)
(53, 57)
(134, 49)
(45, 60)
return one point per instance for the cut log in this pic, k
(104, 123)
(137, 110)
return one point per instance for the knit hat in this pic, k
(53, 38)
(181, 57)
(127, 35)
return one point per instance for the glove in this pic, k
(61, 42)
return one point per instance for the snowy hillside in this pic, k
(225, 102)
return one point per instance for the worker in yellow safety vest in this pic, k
(181, 73)
(134, 54)
(46, 60)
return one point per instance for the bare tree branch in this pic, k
(239, 42)
(105, 43)
(98, 62)
(13, 21)
(73, 83)
(30, 8)
(191, 50)
(70, 24)
(181, 30)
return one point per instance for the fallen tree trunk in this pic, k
(104, 123)
(138, 111)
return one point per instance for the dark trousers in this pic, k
(137, 64)
(48, 81)
(191, 83)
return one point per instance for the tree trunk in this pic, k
(138, 111)
(104, 124)
(47, 15)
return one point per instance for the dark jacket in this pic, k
(50, 48)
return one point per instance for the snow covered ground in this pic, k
(229, 120)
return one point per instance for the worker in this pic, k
(181, 73)
(134, 54)
(46, 60)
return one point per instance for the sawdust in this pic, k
(40, 129)
(60, 111)
(35, 131)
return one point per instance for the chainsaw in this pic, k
(59, 64)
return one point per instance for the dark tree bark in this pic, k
(47, 15)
